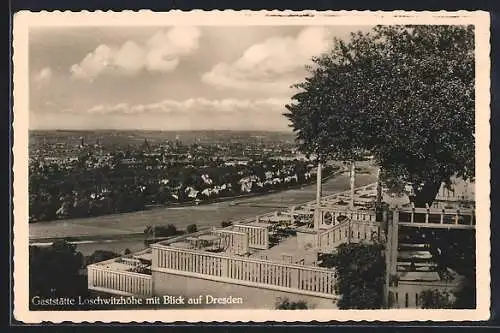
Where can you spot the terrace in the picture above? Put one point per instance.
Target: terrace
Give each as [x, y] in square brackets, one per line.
[277, 251]
[128, 275]
[281, 250]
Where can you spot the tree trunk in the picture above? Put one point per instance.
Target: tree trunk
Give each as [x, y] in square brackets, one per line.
[426, 194]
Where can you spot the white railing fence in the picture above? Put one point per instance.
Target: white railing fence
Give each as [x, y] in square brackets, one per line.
[247, 271]
[118, 282]
[436, 217]
[349, 231]
[258, 237]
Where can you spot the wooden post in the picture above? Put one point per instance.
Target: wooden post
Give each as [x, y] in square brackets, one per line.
[391, 254]
[266, 238]
[349, 231]
[379, 189]
[353, 183]
[318, 184]
[296, 278]
[225, 267]
[387, 261]
[394, 241]
[317, 211]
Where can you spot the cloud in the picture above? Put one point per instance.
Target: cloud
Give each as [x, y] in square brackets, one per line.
[196, 106]
[161, 53]
[44, 75]
[194, 114]
[118, 108]
[272, 65]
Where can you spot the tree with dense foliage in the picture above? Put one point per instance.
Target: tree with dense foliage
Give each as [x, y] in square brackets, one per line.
[191, 228]
[54, 271]
[286, 304]
[456, 250]
[405, 94]
[161, 231]
[225, 224]
[100, 255]
[360, 270]
[58, 192]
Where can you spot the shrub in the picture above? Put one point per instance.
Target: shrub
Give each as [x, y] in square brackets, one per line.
[435, 299]
[191, 228]
[161, 231]
[361, 275]
[225, 224]
[100, 255]
[285, 304]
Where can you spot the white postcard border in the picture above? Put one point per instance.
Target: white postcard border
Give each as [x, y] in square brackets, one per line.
[24, 20]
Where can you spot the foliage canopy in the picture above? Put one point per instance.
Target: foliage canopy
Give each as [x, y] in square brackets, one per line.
[54, 271]
[403, 93]
[360, 275]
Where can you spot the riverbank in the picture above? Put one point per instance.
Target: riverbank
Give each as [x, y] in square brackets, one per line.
[119, 225]
[248, 195]
[88, 239]
[208, 201]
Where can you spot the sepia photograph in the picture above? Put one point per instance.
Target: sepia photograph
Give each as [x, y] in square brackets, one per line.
[179, 162]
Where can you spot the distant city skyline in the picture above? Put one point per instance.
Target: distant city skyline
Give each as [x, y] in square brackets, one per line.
[170, 78]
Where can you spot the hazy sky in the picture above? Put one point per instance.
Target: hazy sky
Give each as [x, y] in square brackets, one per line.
[169, 78]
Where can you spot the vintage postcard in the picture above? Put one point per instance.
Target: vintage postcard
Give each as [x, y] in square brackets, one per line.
[234, 166]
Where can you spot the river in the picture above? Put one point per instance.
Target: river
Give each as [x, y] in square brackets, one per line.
[202, 216]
